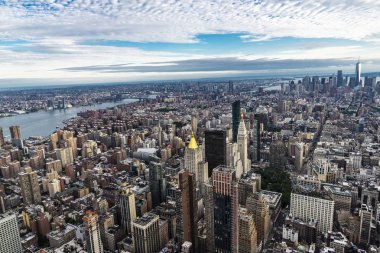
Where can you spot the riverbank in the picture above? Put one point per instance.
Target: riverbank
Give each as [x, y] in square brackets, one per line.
[21, 112]
[43, 123]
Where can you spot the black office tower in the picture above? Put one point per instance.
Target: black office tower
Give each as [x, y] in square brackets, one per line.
[215, 148]
[339, 81]
[1, 137]
[157, 183]
[235, 119]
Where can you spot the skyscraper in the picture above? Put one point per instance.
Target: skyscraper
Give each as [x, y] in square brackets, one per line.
[127, 206]
[358, 72]
[277, 154]
[225, 209]
[1, 137]
[30, 187]
[194, 122]
[231, 87]
[15, 132]
[93, 240]
[10, 241]
[157, 183]
[215, 148]
[233, 158]
[209, 217]
[247, 232]
[255, 153]
[242, 140]
[187, 209]
[235, 119]
[339, 78]
[193, 160]
[365, 225]
[65, 155]
[146, 233]
[257, 205]
[306, 207]
[298, 155]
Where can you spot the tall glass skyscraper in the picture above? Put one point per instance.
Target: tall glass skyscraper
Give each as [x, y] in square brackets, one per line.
[340, 78]
[235, 119]
[358, 72]
[225, 208]
[215, 148]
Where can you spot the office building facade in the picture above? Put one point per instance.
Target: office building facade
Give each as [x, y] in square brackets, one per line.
[145, 231]
[225, 195]
[30, 187]
[93, 239]
[235, 119]
[10, 241]
[187, 209]
[215, 149]
[127, 207]
[307, 207]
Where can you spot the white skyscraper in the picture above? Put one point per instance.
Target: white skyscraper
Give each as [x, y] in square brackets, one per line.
[9, 234]
[193, 161]
[307, 207]
[233, 158]
[242, 140]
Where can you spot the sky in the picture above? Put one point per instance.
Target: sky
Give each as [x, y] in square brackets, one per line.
[91, 41]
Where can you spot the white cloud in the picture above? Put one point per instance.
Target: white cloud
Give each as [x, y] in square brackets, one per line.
[181, 21]
[55, 29]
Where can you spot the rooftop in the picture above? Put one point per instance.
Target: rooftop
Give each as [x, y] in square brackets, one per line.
[146, 219]
[272, 198]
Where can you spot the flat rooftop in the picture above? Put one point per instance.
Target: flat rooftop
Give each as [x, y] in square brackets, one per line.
[272, 198]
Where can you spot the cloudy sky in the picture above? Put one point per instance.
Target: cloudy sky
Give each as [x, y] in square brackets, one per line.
[81, 41]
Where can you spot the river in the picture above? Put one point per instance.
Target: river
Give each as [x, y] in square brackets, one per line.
[43, 123]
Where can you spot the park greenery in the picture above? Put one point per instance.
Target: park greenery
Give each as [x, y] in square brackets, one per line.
[273, 179]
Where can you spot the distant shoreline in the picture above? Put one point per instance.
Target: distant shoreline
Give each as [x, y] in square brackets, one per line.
[55, 109]
[26, 86]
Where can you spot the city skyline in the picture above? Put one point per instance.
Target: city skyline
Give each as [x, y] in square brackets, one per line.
[189, 126]
[233, 166]
[71, 42]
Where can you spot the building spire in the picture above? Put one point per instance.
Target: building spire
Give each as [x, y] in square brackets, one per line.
[193, 142]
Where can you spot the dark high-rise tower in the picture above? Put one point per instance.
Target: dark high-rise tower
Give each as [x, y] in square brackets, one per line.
[1, 137]
[157, 183]
[277, 154]
[358, 72]
[215, 148]
[225, 208]
[187, 209]
[339, 81]
[15, 132]
[235, 119]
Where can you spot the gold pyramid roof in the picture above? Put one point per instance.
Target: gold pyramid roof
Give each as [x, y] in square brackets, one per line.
[193, 143]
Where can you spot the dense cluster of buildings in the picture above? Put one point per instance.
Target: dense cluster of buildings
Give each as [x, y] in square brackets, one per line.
[183, 172]
[19, 101]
